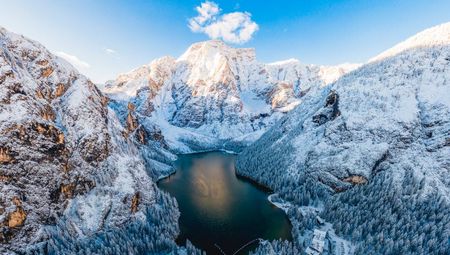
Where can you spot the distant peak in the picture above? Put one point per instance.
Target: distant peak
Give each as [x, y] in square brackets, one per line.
[165, 59]
[434, 36]
[213, 42]
[209, 43]
[285, 62]
[211, 48]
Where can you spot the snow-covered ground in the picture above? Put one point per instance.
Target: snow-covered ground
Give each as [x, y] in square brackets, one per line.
[69, 176]
[371, 148]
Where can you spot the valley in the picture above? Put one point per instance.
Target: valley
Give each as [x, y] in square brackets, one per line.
[356, 155]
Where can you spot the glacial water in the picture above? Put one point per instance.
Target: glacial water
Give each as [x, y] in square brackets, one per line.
[219, 209]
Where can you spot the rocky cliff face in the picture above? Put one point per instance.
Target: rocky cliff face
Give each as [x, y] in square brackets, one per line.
[63, 154]
[215, 93]
[370, 152]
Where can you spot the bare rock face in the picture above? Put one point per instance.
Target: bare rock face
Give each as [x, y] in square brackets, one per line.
[135, 202]
[133, 128]
[5, 156]
[132, 123]
[330, 111]
[141, 135]
[60, 148]
[17, 217]
[34, 150]
[355, 179]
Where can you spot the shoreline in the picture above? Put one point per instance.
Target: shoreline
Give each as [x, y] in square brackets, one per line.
[209, 150]
[283, 205]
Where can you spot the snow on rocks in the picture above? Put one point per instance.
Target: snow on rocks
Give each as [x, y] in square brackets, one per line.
[217, 93]
[62, 152]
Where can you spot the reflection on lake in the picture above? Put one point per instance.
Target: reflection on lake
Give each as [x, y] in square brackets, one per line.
[218, 208]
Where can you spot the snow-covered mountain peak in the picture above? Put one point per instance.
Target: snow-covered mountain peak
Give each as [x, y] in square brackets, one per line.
[434, 36]
[291, 61]
[214, 61]
[218, 92]
[145, 69]
[214, 49]
[330, 74]
[127, 84]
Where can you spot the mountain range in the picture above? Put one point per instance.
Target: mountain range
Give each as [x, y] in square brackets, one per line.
[215, 96]
[360, 151]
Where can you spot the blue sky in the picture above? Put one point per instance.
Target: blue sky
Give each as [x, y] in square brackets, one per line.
[107, 37]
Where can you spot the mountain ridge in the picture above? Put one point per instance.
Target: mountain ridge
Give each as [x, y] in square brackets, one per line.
[70, 173]
[369, 153]
[221, 94]
[434, 36]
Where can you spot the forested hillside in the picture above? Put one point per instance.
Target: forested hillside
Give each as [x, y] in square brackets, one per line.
[370, 153]
[72, 178]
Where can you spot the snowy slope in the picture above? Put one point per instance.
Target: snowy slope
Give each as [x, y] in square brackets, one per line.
[434, 36]
[66, 167]
[215, 94]
[371, 151]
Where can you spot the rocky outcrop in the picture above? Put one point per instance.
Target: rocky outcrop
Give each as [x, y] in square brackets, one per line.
[135, 202]
[16, 218]
[5, 156]
[133, 127]
[132, 122]
[280, 95]
[356, 179]
[68, 190]
[141, 135]
[60, 89]
[330, 110]
[46, 72]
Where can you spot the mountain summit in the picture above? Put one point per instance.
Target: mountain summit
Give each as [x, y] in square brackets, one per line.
[215, 94]
[435, 36]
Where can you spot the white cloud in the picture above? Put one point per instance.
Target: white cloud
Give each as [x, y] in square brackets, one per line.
[74, 60]
[206, 11]
[110, 51]
[234, 27]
